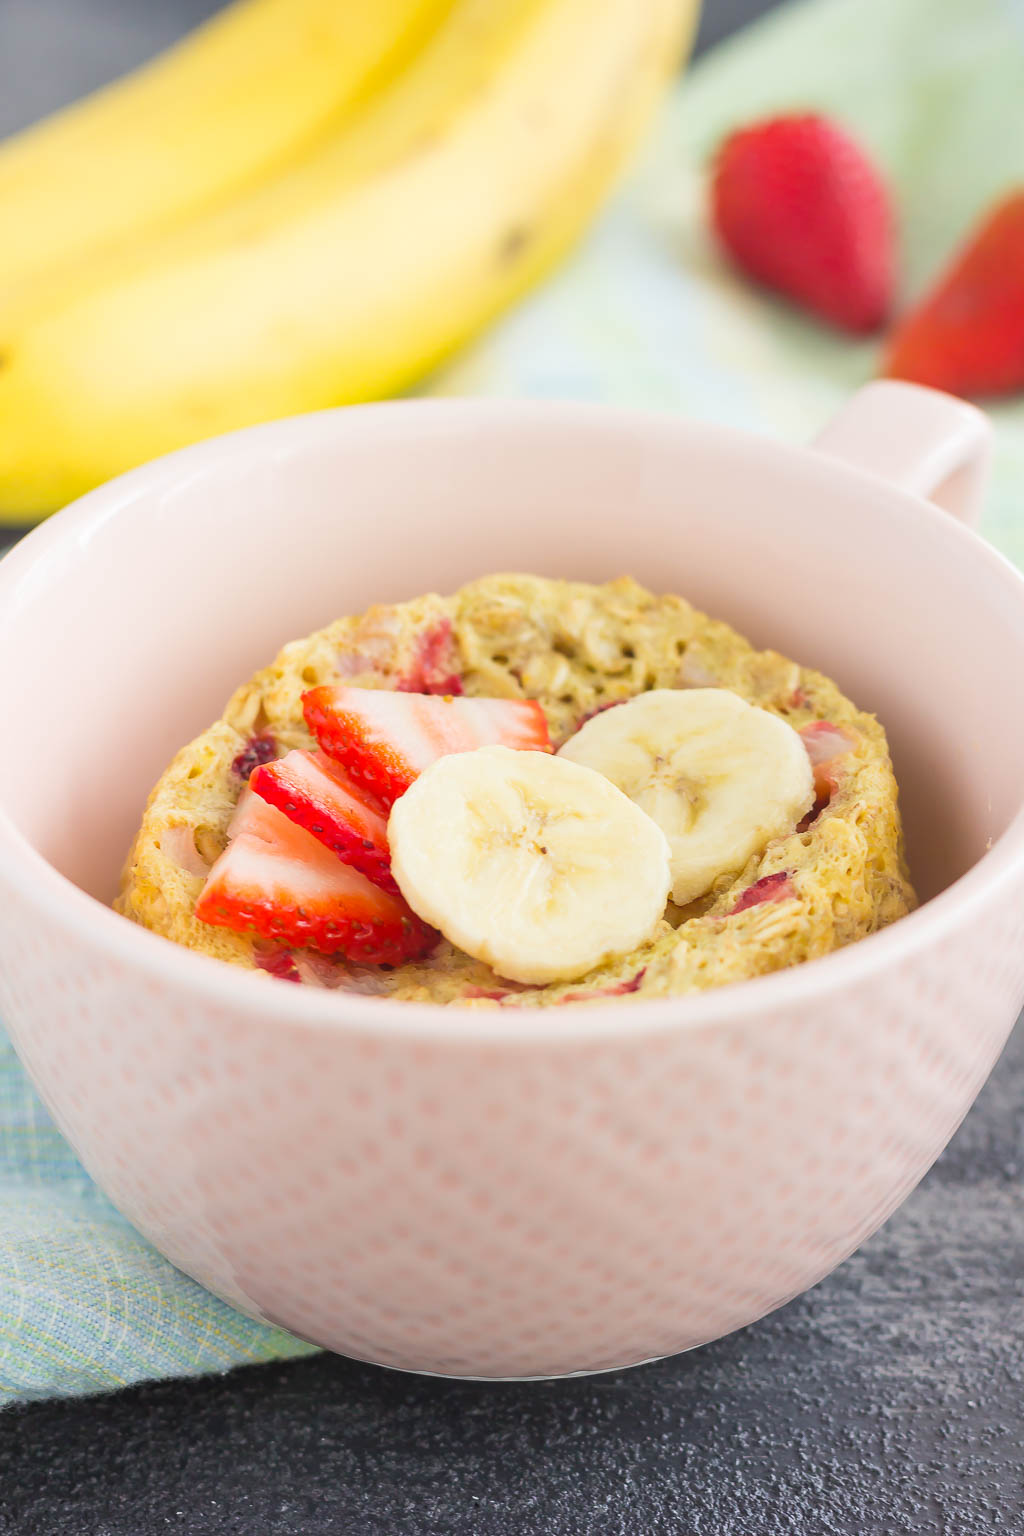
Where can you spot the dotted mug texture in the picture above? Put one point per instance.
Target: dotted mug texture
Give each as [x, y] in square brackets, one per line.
[492, 1207]
[451, 1196]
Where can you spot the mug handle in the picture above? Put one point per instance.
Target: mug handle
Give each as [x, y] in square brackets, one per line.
[918, 439]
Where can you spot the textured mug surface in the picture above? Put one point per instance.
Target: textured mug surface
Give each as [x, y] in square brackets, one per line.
[507, 1194]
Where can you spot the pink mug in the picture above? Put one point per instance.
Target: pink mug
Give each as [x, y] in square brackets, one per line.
[512, 1193]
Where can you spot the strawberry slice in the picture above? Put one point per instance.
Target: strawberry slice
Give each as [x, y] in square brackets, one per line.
[276, 880]
[385, 740]
[316, 793]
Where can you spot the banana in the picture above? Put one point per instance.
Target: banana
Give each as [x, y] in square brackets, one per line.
[226, 107]
[719, 776]
[529, 862]
[348, 277]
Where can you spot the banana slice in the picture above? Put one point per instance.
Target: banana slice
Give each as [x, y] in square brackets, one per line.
[719, 776]
[537, 865]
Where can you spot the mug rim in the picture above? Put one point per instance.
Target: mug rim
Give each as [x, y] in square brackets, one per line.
[211, 981]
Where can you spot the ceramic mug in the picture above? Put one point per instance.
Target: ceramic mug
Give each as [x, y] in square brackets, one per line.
[511, 1193]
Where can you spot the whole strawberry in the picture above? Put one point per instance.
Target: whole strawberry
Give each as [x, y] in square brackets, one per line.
[802, 210]
[967, 335]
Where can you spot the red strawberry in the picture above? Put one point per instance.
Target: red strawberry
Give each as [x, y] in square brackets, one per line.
[802, 210]
[385, 740]
[967, 335]
[276, 880]
[316, 793]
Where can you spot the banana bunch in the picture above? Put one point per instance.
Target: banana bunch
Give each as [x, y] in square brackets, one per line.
[306, 203]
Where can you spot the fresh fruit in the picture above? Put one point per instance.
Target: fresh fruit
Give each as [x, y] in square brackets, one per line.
[355, 269]
[719, 776]
[385, 740]
[825, 744]
[967, 335]
[802, 210]
[241, 96]
[536, 865]
[314, 792]
[277, 881]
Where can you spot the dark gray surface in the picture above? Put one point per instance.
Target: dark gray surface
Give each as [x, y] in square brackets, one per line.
[888, 1400]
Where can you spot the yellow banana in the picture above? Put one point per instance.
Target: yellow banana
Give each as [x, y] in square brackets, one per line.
[464, 55]
[229, 105]
[351, 275]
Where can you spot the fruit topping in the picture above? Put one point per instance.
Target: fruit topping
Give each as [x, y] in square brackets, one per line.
[385, 740]
[598, 709]
[315, 792]
[719, 776]
[534, 864]
[277, 881]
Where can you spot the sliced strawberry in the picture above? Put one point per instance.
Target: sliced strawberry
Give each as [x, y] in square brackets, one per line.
[385, 739]
[276, 880]
[825, 743]
[777, 887]
[316, 793]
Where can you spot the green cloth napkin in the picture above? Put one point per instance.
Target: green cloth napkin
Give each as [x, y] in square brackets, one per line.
[645, 314]
[85, 1303]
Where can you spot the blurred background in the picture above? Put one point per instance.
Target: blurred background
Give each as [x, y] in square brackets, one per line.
[133, 319]
[53, 51]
